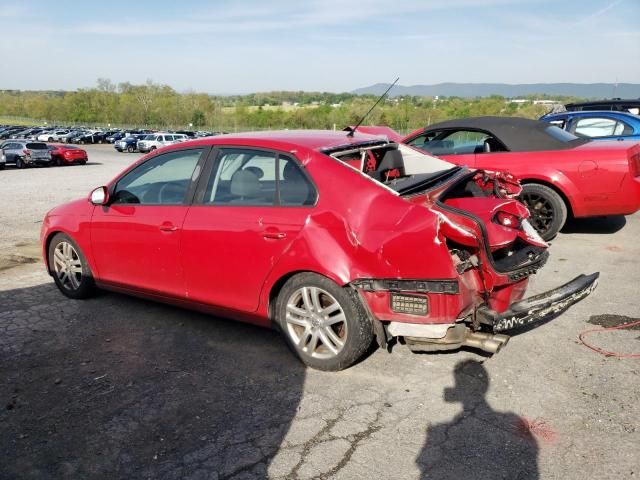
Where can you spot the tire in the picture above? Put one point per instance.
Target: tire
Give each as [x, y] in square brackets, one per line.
[548, 210]
[131, 149]
[78, 285]
[330, 346]
[82, 162]
[20, 164]
[152, 149]
[59, 162]
[50, 139]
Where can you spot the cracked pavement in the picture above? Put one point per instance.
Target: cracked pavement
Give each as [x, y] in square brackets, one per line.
[118, 387]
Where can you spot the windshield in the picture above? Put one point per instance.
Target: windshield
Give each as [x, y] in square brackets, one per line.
[36, 146]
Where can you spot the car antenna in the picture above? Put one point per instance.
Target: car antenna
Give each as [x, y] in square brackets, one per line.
[353, 130]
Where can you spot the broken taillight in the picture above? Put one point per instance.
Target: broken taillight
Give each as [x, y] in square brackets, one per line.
[507, 219]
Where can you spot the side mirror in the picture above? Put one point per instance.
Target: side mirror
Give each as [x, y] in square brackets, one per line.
[100, 196]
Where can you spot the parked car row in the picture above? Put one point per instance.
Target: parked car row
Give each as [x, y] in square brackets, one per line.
[82, 135]
[27, 153]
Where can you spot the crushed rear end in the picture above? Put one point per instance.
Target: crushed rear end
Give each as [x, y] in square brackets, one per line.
[491, 251]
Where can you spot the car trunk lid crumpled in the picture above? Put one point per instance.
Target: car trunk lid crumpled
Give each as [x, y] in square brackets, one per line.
[493, 236]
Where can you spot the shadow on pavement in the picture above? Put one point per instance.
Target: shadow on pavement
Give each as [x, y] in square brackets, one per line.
[116, 387]
[479, 443]
[610, 224]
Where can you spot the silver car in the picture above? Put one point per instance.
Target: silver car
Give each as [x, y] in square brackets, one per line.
[24, 153]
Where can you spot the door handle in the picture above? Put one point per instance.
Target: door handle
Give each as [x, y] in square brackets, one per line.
[274, 235]
[168, 227]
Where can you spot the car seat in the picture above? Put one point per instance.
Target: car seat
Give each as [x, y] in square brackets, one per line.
[245, 186]
[294, 189]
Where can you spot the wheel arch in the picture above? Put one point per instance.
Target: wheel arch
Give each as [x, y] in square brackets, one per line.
[552, 186]
[276, 288]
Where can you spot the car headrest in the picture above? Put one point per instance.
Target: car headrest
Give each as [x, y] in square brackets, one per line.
[245, 183]
[291, 172]
[392, 159]
[492, 145]
[257, 170]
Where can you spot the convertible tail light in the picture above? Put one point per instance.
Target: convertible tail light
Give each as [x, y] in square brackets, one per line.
[507, 220]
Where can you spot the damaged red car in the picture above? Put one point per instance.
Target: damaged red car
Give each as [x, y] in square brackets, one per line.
[285, 229]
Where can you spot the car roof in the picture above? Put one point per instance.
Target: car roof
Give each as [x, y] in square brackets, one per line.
[595, 113]
[516, 133]
[312, 139]
[612, 101]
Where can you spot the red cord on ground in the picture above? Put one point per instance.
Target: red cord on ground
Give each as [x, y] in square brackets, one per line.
[606, 352]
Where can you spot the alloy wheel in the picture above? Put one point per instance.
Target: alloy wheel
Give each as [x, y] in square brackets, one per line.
[541, 210]
[316, 322]
[67, 265]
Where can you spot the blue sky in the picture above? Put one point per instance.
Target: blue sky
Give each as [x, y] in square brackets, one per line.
[329, 45]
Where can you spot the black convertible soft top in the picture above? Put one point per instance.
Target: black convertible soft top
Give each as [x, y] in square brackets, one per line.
[517, 134]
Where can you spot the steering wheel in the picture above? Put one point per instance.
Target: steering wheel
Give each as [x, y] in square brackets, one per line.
[166, 196]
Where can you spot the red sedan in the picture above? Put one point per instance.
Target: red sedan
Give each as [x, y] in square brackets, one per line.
[562, 175]
[67, 155]
[287, 229]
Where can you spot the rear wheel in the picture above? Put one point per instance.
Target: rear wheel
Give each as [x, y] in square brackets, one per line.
[323, 323]
[59, 162]
[20, 163]
[50, 139]
[547, 208]
[131, 149]
[69, 268]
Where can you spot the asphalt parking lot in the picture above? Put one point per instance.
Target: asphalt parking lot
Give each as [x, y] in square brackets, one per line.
[117, 387]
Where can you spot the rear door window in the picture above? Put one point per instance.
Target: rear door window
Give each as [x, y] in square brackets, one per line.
[596, 127]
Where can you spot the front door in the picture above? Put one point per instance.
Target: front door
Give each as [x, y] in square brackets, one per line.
[136, 238]
[245, 216]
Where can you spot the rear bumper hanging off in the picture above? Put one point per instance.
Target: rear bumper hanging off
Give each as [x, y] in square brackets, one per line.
[539, 307]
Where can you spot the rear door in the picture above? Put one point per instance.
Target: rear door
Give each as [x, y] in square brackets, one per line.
[243, 219]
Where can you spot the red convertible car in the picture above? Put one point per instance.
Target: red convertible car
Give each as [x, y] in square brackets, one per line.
[287, 229]
[562, 175]
[67, 155]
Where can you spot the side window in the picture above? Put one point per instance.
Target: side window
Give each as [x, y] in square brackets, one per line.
[248, 177]
[459, 142]
[242, 177]
[422, 141]
[595, 127]
[294, 188]
[163, 180]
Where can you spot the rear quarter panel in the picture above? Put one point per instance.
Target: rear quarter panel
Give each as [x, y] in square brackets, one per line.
[358, 229]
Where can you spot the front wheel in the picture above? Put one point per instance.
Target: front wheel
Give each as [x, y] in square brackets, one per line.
[131, 149]
[70, 268]
[323, 323]
[547, 208]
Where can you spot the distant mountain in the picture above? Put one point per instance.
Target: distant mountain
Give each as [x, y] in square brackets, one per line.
[582, 90]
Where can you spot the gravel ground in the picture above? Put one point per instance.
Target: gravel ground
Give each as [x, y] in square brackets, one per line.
[116, 387]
